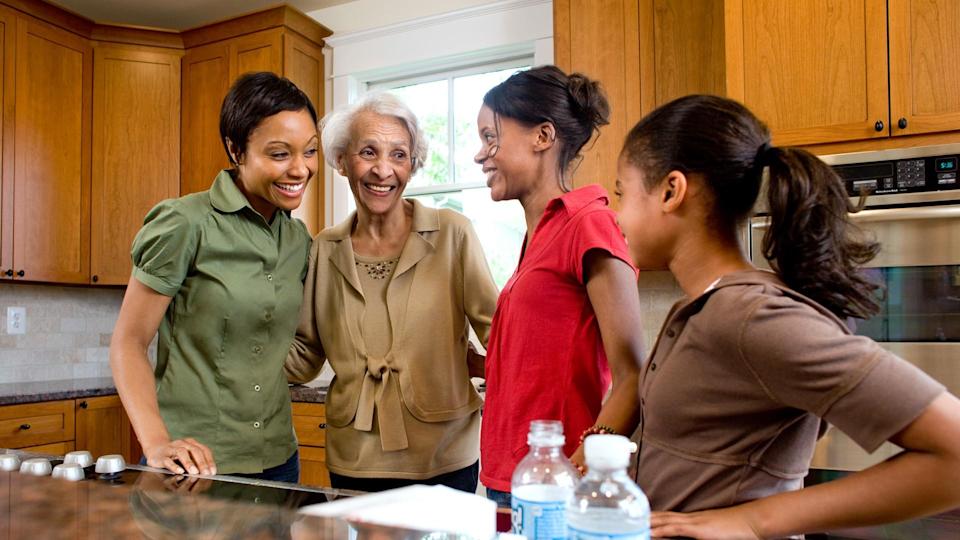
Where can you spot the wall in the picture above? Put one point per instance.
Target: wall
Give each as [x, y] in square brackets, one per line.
[67, 335]
[658, 292]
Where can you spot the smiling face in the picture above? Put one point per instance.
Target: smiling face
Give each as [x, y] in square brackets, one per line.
[508, 155]
[377, 162]
[280, 158]
[642, 219]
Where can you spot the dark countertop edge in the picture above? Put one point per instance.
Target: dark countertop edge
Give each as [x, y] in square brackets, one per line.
[298, 394]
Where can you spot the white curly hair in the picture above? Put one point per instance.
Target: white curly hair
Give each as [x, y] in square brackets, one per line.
[335, 126]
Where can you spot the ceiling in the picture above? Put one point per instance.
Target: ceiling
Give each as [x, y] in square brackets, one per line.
[177, 14]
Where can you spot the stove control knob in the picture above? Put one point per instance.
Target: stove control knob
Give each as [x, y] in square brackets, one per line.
[9, 462]
[36, 467]
[80, 457]
[110, 464]
[69, 471]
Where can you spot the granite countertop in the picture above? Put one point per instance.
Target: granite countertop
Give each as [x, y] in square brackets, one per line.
[32, 392]
[154, 506]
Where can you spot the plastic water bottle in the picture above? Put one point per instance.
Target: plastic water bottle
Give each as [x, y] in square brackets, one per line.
[607, 504]
[542, 484]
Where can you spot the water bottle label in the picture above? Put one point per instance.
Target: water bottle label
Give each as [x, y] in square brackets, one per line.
[543, 520]
[579, 534]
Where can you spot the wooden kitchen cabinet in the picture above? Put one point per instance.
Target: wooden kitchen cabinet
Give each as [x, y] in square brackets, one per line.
[51, 216]
[136, 149]
[103, 428]
[35, 424]
[580, 26]
[309, 422]
[8, 36]
[816, 71]
[924, 53]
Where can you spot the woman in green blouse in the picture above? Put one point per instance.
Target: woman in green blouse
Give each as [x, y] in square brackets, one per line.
[220, 274]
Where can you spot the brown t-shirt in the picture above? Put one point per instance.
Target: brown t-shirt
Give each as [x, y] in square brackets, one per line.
[737, 385]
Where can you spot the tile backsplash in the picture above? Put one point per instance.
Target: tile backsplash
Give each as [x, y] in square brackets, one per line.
[68, 329]
[658, 292]
[67, 332]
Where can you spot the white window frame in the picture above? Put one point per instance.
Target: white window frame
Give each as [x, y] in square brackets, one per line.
[449, 75]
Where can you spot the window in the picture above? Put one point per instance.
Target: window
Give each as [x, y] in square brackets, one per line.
[447, 104]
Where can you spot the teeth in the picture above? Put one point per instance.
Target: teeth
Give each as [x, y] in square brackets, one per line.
[290, 188]
[379, 189]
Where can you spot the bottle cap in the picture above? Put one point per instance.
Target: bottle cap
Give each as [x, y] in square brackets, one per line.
[608, 451]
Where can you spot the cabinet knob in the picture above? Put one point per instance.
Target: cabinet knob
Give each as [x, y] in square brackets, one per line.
[95, 278]
[9, 272]
[322, 426]
[20, 273]
[83, 405]
[878, 126]
[902, 123]
[24, 427]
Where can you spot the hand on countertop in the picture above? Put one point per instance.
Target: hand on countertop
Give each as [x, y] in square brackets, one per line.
[731, 523]
[182, 455]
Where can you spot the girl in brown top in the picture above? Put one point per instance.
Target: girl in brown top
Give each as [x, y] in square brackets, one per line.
[750, 368]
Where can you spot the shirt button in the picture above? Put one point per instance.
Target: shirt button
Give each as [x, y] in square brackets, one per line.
[256, 425]
[670, 332]
[257, 349]
[269, 277]
[256, 388]
[653, 366]
[268, 316]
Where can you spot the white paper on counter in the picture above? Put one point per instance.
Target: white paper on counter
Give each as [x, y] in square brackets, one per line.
[422, 508]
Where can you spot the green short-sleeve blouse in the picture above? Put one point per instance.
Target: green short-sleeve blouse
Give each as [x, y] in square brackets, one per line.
[236, 283]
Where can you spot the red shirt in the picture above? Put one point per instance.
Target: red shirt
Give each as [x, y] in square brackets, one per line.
[545, 358]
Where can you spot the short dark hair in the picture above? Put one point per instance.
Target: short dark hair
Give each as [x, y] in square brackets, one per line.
[253, 97]
[574, 104]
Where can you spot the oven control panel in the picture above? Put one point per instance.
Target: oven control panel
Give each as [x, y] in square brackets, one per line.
[911, 175]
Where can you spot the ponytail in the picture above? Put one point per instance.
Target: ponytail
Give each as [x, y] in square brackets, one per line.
[811, 242]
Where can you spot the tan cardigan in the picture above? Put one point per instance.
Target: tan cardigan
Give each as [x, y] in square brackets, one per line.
[443, 281]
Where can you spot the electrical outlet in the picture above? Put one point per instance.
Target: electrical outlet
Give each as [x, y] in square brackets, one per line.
[16, 320]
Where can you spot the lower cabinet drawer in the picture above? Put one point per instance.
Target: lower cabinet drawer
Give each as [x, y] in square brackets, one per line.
[54, 449]
[36, 424]
[313, 467]
[310, 424]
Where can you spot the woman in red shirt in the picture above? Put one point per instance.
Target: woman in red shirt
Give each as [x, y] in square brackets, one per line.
[568, 317]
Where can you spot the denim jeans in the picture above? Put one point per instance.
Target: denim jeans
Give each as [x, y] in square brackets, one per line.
[502, 498]
[464, 479]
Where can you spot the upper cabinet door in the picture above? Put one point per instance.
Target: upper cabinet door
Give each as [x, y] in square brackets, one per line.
[924, 60]
[8, 38]
[599, 39]
[52, 155]
[260, 51]
[303, 64]
[136, 149]
[813, 70]
[206, 79]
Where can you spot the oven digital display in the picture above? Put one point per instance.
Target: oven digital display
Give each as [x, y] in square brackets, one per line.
[946, 164]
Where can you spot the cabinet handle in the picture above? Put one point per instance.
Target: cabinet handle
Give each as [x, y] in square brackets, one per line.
[83, 405]
[95, 278]
[878, 126]
[24, 427]
[20, 273]
[323, 426]
[902, 123]
[9, 272]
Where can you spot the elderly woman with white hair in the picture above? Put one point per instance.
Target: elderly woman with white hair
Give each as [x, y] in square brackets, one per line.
[387, 301]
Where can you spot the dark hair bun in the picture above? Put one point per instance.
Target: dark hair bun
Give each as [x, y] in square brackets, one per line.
[590, 99]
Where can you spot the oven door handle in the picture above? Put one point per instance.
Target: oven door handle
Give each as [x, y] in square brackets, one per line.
[900, 214]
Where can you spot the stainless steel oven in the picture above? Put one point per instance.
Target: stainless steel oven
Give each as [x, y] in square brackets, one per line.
[914, 212]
